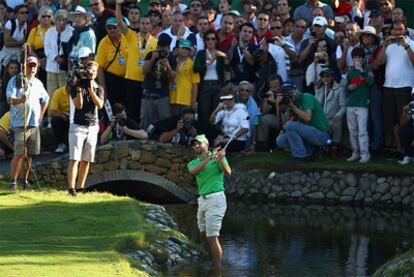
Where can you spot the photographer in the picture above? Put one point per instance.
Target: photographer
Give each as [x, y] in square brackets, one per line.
[34, 102]
[398, 56]
[87, 98]
[176, 129]
[308, 126]
[121, 127]
[159, 70]
[272, 118]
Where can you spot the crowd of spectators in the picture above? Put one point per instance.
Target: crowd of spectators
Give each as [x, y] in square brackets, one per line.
[266, 75]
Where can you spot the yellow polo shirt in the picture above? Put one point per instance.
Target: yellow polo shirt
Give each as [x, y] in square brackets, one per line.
[181, 90]
[60, 100]
[106, 52]
[37, 36]
[5, 122]
[136, 57]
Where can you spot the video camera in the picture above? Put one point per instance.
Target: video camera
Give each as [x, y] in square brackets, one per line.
[78, 70]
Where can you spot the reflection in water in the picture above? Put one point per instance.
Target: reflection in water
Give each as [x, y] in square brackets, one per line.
[277, 240]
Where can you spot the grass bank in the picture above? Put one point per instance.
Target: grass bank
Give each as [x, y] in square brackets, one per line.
[51, 234]
[384, 164]
[402, 265]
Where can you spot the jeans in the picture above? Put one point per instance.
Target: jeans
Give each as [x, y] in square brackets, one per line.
[375, 118]
[301, 138]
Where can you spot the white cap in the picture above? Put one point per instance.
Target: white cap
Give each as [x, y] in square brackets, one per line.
[84, 52]
[234, 12]
[320, 20]
[227, 97]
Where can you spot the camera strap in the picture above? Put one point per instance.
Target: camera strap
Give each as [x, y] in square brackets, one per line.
[116, 54]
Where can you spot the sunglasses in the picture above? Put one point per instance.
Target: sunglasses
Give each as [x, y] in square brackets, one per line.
[210, 38]
[46, 16]
[24, 12]
[263, 19]
[275, 27]
[95, 4]
[385, 4]
[111, 27]
[32, 65]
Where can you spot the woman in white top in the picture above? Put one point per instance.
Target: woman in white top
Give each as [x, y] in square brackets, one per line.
[212, 65]
[15, 33]
[55, 38]
[233, 120]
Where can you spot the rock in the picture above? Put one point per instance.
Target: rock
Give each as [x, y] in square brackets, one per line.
[154, 169]
[382, 187]
[296, 194]
[396, 199]
[407, 200]
[95, 168]
[315, 195]
[121, 150]
[404, 192]
[364, 184]
[135, 154]
[395, 190]
[134, 165]
[351, 191]
[111, 165]
[163, 162]
[359, 196]
[147, 157]
[351, 180]
[346, 199]
[381, 180]
[271, 195]
[326, 182]
[386, 197]
[377, 196]
[123, 164]
[276, 188]
[337, 188]
[406, 182]
[331, 195]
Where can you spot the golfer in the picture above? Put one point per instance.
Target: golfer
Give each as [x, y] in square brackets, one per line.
[209, 169]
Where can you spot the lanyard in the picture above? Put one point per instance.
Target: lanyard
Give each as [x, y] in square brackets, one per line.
[241, 54]
[140, 48]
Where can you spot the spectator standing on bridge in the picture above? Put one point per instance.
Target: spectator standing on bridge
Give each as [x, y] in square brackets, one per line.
[208, 169]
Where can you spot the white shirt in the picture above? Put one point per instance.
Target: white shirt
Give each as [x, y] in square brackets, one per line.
[51, 47]
[399, 70]
[174, 37]
[279, 55]
[17, 35]
[339, 52]
[211, 72]
[200, 42]
[234, 120]
[13, 3]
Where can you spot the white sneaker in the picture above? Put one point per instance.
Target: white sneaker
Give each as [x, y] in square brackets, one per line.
[364, 159]
[61, 148]
[353, 158]
[406, 160]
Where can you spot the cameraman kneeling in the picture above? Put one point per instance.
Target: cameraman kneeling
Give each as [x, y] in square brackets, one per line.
[176, 129]
[121, 127]
[307, 127]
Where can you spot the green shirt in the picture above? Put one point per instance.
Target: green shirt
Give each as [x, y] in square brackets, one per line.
[211, 178]
[359, 97]
[306, 101]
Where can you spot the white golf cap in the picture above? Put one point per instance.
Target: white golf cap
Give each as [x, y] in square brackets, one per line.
[227, 97]
[84, 52]
[320, 20]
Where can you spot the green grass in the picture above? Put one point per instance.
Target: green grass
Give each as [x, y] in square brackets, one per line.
[52, 234]
[282, 160]
[402, 265]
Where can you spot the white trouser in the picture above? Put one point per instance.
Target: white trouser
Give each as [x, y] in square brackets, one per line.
[357, 120]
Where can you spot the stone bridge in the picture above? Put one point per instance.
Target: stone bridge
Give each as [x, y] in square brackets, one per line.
[145, 162]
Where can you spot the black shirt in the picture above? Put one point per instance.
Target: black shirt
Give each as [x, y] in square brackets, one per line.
[242, 70]
[88, 114]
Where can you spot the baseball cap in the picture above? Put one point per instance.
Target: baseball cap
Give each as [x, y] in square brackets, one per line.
[375, 13]
[288, 85]
[326, 69]
[200, 138]
[154, 2]
[111, 21]
[31, 59]
[320, 20]
[84, 52]
[185, 43]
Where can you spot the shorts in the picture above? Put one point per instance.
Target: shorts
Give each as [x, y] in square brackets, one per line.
[82, 142]
[210, 214]
[32, 137]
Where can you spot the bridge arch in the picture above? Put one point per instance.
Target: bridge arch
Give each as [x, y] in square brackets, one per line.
[141, 177]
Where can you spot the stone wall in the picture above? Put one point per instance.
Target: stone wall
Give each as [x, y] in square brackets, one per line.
[325, 187]
[165, 160]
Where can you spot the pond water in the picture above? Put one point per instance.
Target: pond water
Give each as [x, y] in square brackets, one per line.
[295, 240]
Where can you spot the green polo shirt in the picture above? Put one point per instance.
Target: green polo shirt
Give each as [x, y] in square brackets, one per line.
[211, 178]
[306, 101]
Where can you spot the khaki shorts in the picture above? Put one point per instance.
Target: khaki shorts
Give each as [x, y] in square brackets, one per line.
[210, 214]
[82, 142]
[33, 140]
